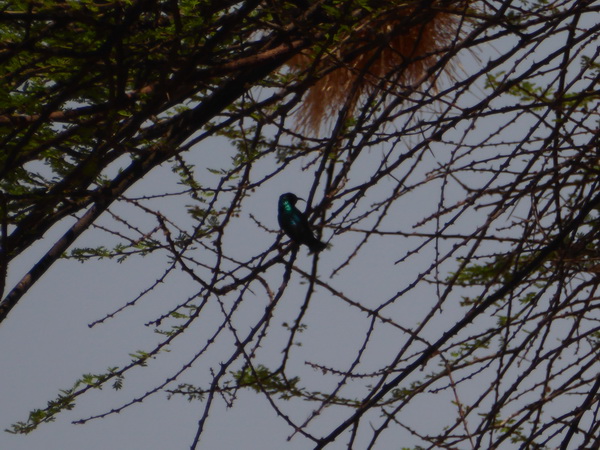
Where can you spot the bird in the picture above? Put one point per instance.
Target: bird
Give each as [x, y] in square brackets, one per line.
[295, 224]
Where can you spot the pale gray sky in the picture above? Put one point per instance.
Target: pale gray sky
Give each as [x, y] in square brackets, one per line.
[46, 342]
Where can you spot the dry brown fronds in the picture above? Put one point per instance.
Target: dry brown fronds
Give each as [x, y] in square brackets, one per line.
[390, 52]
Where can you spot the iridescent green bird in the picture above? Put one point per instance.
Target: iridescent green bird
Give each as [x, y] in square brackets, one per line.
[295, 225]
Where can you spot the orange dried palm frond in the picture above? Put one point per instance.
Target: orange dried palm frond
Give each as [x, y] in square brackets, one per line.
[390, 52]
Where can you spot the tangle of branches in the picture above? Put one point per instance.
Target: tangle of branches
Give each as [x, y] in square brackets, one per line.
[448, 153]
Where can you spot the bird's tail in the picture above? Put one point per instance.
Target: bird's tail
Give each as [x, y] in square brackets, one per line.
[316, 245]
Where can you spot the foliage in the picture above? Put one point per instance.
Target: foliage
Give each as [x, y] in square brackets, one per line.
[460, 202]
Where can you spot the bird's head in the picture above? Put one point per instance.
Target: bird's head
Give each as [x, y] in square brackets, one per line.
[289, 197]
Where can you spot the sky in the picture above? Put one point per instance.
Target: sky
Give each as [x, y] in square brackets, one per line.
[47, 342]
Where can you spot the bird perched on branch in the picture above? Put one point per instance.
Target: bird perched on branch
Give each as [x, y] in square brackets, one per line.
[295, 225]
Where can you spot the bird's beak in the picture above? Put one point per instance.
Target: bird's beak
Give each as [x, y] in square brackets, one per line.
[298, 198]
